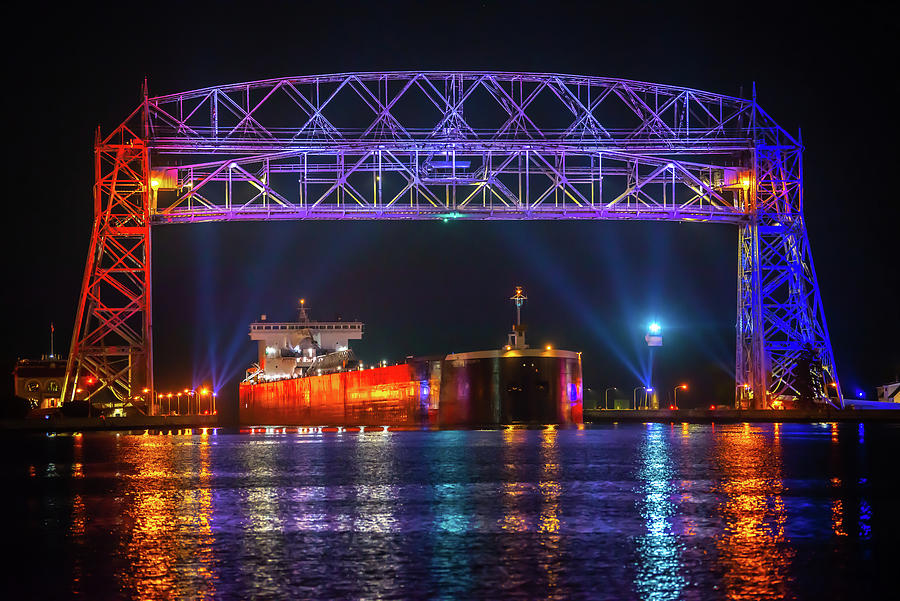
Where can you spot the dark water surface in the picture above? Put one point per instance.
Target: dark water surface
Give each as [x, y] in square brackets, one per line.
[752, 511]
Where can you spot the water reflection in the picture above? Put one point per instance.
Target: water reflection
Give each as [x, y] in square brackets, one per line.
[202, 507]
[169, 547]
[658, 574]
[450, 562]
[634, 512]
[550, 560]
[754, 556]
[373, 513]
[260, 519]
[374, 462]
[549, 483]
[531, 490]
[865, 510]
[76, 532]
[837, 509]
[513, 485]
[451, 511]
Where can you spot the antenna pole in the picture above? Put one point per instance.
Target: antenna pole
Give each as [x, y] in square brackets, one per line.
[518, 333]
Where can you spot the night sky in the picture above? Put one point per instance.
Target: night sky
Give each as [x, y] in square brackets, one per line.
[424, 288]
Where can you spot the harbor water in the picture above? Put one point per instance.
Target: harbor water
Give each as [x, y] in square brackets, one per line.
[627, 511]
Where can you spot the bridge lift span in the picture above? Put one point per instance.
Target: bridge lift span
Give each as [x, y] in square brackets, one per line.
[455, 145]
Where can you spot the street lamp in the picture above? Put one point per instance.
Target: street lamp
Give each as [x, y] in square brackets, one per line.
[179, 403]
[606, 397]
[169, 397]
[214, 403]
[675, 394]
[634, 394]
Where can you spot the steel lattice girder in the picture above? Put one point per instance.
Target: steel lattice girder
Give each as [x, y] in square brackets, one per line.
[112, 337]
[491, 145]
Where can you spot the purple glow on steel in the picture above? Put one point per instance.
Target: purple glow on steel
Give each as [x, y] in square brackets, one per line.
[625, 150]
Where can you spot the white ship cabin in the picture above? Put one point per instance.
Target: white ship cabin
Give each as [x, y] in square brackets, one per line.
[286, 348]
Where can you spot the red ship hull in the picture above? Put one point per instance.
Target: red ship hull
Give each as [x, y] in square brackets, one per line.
[471, 389]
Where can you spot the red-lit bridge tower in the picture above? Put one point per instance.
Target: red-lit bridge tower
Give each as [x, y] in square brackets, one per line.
[112, 341]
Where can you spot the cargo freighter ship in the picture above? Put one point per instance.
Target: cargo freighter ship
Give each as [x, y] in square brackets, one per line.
[307, 375]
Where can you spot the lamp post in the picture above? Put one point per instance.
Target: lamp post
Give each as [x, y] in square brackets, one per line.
[169, 397]
[675, 394]
[214, 403]
[634, 394]
[178, 396]
[606, 397]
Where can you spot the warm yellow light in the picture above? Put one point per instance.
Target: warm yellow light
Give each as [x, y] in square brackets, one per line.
[508, 347]
[745, 182]
[549, 347]
[154, 183]
[79, 389]
[683, 387]
[170, 395]
[161, 395]
[185, 391]
[302, 301]
[146, 390]
[204, 391]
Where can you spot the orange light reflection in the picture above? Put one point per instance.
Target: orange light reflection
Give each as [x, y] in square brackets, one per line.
[167, 526]
[754, 555]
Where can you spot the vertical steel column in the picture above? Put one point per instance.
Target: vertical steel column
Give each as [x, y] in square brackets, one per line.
[148, 254]
[111, 339]
[787, 316]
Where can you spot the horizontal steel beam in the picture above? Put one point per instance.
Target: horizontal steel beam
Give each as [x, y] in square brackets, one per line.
[447, 213]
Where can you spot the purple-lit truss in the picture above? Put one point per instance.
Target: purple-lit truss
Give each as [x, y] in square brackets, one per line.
[457, 145]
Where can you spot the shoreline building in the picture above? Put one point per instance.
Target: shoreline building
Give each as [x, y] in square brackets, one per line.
[40, 380]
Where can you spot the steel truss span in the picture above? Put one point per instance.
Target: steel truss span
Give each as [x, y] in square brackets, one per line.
[455, 145]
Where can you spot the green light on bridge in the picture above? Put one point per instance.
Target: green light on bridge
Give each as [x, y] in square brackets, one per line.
[447, 216]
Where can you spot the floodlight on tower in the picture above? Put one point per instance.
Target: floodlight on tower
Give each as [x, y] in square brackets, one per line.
[653, 337]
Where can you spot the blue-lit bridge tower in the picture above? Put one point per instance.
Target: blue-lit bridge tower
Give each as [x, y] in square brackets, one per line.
[456, 145]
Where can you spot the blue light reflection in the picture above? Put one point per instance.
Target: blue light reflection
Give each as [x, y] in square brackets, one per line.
[659, 551]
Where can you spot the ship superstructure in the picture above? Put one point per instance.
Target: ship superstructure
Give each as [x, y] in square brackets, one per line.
[290, 349]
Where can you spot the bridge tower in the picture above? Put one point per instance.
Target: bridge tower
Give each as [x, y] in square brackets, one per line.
[112, 339]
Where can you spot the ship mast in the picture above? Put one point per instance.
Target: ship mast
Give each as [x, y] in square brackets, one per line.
[304, 316]
[517, 336]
